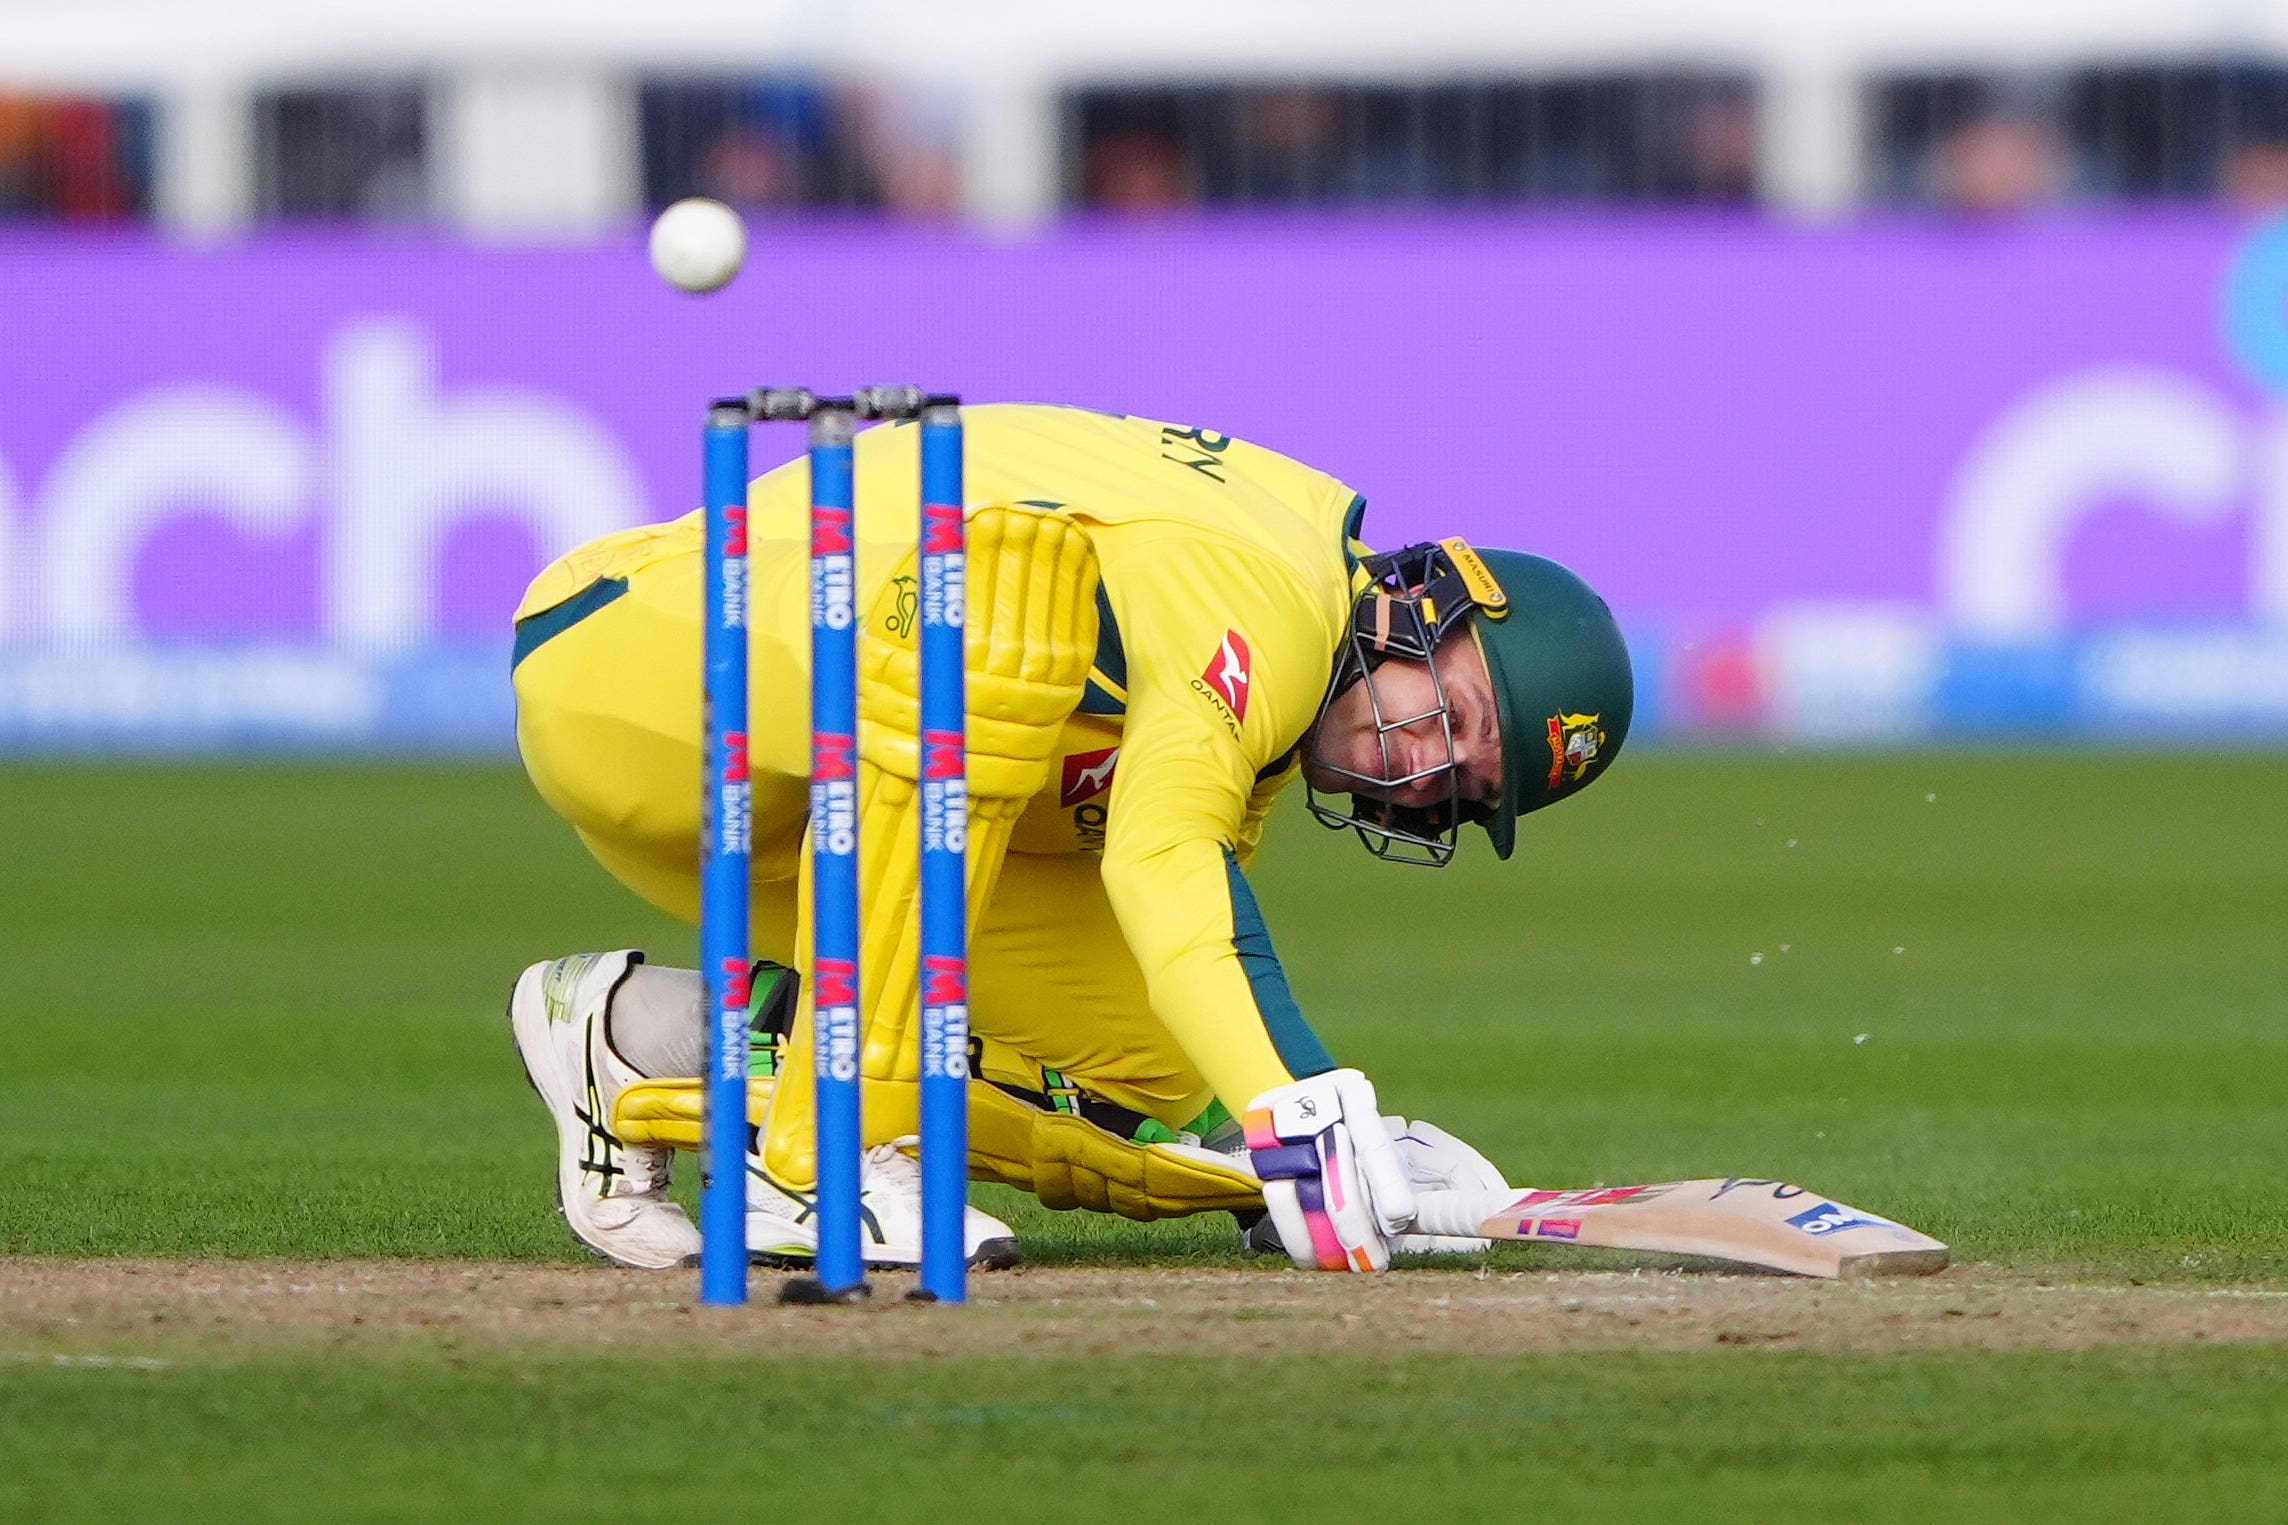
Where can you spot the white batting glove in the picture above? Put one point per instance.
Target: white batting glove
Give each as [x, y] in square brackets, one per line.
[1438, 1161]
[1334, 1184]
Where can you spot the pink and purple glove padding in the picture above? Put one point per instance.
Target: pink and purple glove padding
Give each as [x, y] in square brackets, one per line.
[1333, 1183]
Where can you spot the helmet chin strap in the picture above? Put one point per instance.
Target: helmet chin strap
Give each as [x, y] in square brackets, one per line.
[1417, 597]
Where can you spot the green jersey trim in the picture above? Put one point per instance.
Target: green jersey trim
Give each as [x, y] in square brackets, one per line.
[537, 630]
[1298, 1047]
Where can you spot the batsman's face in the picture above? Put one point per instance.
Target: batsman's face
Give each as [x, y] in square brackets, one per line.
[1409, 732]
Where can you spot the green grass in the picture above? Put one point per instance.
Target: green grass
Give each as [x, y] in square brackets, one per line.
[2121, 1434]
[2076, 1059]
[256, 1011]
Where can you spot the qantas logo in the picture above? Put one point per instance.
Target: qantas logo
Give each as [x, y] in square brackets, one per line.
[1087, 775]
[1228, 676]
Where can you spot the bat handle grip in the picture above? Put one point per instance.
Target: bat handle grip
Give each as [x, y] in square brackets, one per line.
[1461, 1214]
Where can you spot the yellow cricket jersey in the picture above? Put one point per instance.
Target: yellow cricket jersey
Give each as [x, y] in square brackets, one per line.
[1227, 581]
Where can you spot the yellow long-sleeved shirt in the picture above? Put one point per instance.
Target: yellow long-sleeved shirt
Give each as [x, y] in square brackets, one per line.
[1227, 581]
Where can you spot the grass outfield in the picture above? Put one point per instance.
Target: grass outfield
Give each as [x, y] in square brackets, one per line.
[2020, 1437]
[2036, 1005]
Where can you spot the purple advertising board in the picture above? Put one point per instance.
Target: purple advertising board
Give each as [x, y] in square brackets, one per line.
[1866, 482]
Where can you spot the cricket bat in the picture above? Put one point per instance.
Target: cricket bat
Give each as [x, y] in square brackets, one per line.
[1770, 1225]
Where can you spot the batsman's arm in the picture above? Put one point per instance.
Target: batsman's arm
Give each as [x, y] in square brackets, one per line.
[1213, 708]
[1225, 663]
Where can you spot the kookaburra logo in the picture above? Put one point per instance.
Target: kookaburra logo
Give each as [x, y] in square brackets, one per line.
[1307, 1107]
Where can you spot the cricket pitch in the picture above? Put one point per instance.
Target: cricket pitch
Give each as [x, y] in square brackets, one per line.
[123, 1310]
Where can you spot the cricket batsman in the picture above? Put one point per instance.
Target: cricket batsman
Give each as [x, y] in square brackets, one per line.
[1166, 629]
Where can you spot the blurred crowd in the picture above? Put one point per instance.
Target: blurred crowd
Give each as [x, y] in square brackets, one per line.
[79, 160]
[1989, 145]
[1978, 145]
[788, 143]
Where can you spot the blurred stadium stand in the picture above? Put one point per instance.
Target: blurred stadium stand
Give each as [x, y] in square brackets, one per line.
[74, 158]
[520, 118]
[358, 153]
[1939, 469]
[1656, 136]
[2003, 139]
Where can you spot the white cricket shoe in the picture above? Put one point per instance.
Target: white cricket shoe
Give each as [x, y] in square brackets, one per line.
[782, 1227]
[612, 1194]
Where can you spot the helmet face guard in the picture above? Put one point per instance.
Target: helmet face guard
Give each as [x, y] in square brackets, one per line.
[1419, 596]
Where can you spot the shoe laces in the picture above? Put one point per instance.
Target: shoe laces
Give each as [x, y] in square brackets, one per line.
[644, 1172]
[890, 1166]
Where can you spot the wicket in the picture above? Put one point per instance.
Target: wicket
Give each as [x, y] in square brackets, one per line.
[840, 1272]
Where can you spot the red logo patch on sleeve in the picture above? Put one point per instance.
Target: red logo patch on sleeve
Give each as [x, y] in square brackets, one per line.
[1087, 775]
[1228, 674]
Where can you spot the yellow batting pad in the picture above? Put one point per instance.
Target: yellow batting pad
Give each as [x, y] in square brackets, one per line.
[1030, 614]
[1064, 1160]
[1077, 1164]
[1068, 1161]
[673, 1113]
[1031, 621]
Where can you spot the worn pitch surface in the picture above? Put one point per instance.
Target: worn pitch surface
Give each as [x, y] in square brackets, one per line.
[128, 1310]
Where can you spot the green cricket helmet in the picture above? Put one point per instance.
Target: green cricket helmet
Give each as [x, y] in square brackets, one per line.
[1561, 682]
[1562, 686]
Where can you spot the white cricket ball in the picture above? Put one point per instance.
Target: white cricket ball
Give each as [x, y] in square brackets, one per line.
[698, 244]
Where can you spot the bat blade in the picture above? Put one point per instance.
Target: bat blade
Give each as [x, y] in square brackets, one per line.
[1768, 1224]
